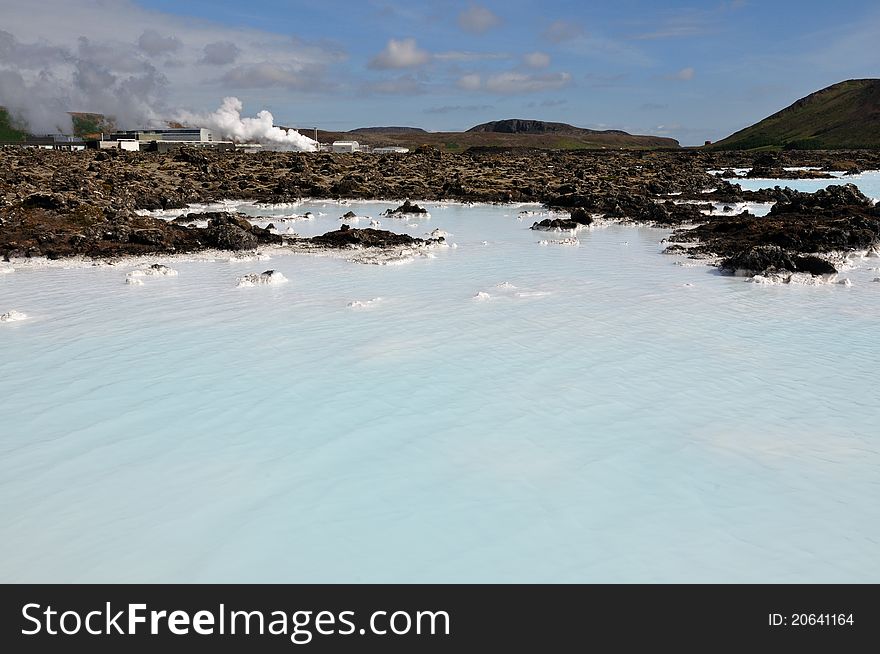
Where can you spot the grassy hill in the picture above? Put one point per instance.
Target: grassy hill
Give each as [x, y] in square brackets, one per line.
[8, 130]
[842, 116]
[89, 125]
[514, 133]
[85, 125]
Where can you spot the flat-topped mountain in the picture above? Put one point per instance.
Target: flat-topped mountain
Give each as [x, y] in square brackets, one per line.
[514, 133]
[388, 130]
[524, 126]
[842, 116]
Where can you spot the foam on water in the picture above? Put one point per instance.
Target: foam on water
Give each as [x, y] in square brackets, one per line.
[13, 316]
[615, 417]
[568, 240]
[364, 304]
[268, 278]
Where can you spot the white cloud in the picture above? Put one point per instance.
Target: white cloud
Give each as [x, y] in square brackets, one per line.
[682, 24]
[685, 74]
[537, 59]
[460, 55]
[470, 82]
[271, 75]
[152, 62]
[477, 19]
[513, 82]
[40, 91]
[400, 54]
[560, 31]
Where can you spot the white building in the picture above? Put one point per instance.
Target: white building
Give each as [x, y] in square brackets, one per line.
[390, 150]
[346, 146]
[132, 145]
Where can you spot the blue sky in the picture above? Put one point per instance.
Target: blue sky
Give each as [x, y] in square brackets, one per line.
[691, 70]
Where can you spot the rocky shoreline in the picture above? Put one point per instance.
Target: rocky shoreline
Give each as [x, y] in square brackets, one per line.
[60, 204]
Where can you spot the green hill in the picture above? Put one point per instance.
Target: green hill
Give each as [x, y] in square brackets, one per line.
[842, 116]
[85, 125]
[90, 125]
[8, 130]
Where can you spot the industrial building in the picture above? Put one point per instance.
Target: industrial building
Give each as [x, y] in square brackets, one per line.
[172, 138]
[346, 146]
[176, 134]
[165, 140]
[50, 142]
[131, 145]
[354, 146]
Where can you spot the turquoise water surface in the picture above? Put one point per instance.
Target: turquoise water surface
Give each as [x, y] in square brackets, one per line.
[604, 413]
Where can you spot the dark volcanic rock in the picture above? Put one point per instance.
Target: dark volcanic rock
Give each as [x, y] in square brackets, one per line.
[229, 232]
[148, 236]
[406, 208]
[761, 259]
[581, 217]
[551, 224]
[778, 172]
[60, 204]
[644, 209]
[784, 241]
[833, 200]
[347, 237]
[578, 218]
[44, 201]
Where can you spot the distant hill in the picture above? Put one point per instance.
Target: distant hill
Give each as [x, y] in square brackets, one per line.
[513, 133]
[90, 125]
[85, 125]
[842, 116]
[388, 130]
[523, 126]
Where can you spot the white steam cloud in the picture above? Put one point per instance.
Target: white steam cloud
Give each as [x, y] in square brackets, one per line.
[40, 83]
[228, 124]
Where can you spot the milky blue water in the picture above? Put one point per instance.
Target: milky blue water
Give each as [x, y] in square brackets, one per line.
[605, 415]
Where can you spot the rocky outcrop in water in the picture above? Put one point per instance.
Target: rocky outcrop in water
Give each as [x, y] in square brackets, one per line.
[578, 218]
[839, 219]
[768, 259]
[61, 204]
[407, 208]
[87, 231]
[346, 237]
[230, 232]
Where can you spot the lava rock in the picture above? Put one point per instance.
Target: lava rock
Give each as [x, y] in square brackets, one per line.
[369, 237]
[406, 208]
[768, 259]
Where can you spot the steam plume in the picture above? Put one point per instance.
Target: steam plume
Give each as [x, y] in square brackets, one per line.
[228, 123]
[40, 83]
